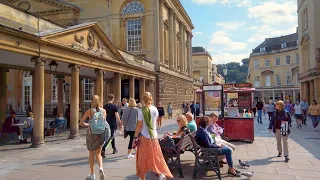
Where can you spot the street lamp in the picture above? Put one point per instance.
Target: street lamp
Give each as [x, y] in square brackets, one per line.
[53, 66]
[225, 73]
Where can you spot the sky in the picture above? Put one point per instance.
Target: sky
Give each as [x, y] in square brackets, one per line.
[230, 29]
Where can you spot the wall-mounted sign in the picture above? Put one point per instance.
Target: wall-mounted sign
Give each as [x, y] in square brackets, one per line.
[243, 85]
[212, 88]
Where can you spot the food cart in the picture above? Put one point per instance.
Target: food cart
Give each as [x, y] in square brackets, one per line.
[230, 110]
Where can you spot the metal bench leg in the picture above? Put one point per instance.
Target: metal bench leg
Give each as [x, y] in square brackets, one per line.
[179, 169]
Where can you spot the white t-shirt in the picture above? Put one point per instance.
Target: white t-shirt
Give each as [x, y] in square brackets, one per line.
[154, 116]
[297, 109]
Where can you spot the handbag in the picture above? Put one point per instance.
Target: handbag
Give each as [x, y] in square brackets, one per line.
[167, 142]
[125, 133]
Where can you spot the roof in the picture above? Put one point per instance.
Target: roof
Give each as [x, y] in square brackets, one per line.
[272, 44]
[198, 49]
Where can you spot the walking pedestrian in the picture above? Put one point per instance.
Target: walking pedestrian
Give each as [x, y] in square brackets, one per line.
[95, 138]
[169, 111]
[161, 114]
[149, 155]
[259, 108]
[270, 109]
[304, 106]
[129, 120]
[254, 108]
[279, 124]
[113, 119]
[197, 107]
[314, 113]
[298, 114]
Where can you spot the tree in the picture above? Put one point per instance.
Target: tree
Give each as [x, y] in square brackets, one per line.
[236, 73]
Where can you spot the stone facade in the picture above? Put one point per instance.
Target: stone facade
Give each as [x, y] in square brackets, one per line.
[174, 90]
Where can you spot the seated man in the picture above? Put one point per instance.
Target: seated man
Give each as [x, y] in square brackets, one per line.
[191, 123]
[7, 128]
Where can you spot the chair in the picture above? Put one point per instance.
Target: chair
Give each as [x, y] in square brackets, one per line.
[206, 158]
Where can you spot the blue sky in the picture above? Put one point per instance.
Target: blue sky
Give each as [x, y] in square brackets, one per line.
[230, 29]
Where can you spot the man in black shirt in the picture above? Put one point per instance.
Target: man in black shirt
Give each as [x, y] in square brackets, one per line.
[259, 108]
[112, 118]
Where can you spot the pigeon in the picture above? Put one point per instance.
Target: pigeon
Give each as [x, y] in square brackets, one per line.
[243, 165]
[247, 174]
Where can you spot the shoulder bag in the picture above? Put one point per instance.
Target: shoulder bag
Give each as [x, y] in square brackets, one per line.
[125, 133]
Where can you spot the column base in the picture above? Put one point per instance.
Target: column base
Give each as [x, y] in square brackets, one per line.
[37, 145]
[74, 136]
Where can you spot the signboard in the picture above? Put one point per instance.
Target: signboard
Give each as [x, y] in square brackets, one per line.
[212, 99]
[243, 85]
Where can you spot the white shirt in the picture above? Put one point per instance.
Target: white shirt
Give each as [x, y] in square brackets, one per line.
[154, 116]
[297, 109]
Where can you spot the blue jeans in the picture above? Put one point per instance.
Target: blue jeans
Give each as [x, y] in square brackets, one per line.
[27, 130]
[228, 153]
[315, 120]
[259, 115]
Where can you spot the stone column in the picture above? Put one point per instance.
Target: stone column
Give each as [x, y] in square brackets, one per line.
[161, 31]
[117, 87]
[182, 48]
[284, 95]
[60, 106]
[312, 90]
[171, 38]
[3, 95]
[262, 95]
[38, 99]
[294, 96]
[189, 54]
[142, 89]
[99, 84]
[74, 105]
[156, 30]
[152, 90]
[33, 89]
[175, 50]
[273, 96]
[131, 87]
[81, 94]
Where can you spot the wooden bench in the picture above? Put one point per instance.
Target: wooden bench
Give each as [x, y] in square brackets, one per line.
[172, 154]
[205, 158]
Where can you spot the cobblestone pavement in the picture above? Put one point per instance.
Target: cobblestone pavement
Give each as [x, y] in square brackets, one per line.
[64, 159]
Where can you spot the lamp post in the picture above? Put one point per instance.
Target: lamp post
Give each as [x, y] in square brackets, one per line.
[53, 66]
[225, 73]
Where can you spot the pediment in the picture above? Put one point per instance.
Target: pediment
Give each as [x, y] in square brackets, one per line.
[87, 38]
[39, 5]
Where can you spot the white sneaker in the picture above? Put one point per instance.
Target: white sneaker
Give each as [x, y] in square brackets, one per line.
[129, 156]
[314, 129]
[91, 177]
[162, 177]
[101, 174]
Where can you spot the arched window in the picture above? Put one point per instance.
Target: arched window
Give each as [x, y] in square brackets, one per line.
[133, 7]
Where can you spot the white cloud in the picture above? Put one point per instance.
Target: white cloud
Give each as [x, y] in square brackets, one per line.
[223, 57]
[252, 28]
[197, 33]
[274, 13]
[230, 25]
[222, 38]
[267, 31]
[238, 3]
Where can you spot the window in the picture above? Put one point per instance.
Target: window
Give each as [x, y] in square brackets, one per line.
[289, 79]
[305, 19]
[287, 59]
[134, 35]
[54, 96]
[257, 81]
[297, 79]
[268, 80]
[278, 82]
[262, 49]
[256, 64]
[133, 7]
[267, 63]
[88, 89]
[277, 61]
[283, 45]
[297, 58]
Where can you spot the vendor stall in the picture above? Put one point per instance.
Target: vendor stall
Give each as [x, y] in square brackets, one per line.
[234, 110]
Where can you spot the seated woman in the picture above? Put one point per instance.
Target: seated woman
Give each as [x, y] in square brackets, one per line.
[182, 130]
[10, 120]
[29, 122]
[205, 140]
[59, 122]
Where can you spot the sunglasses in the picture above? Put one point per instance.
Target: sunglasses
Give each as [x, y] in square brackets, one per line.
[178, 120]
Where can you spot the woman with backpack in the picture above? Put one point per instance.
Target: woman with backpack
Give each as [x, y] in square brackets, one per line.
[149, 155]
[96, 134]
[279, 124]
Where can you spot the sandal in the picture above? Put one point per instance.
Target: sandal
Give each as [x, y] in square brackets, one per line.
[234, 175]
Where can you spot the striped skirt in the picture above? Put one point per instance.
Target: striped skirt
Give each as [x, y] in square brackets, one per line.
[150, 158]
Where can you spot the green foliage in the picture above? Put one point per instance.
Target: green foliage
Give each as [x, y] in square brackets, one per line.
[236, 73]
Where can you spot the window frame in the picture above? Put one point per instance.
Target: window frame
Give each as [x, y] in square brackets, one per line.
[134, 35]
[88, 97]
[256, 64]
[288, 59]
[265, 63]
[305, 19]
[283, 45]
[263, 49]
[133, 7]
[297, 59]
[257, 79]
[288, 79]
[278, 80]
[297, 79]
[278, 58]
[269, 83]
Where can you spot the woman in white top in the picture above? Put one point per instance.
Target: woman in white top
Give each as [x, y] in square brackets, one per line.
[298, 114]
[149, 155]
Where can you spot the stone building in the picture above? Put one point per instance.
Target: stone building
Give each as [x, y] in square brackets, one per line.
[309, 48]
[52, 53]
[155, 35]
[202, 65]
[216, 77]
[274, 68]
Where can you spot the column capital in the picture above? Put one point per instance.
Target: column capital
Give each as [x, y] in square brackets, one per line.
[161, 2]
[59, 76]
[117, 75]
[99, 72]
[37, 60]
[74, 67]
[143, 79]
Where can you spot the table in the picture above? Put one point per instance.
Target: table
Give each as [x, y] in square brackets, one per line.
[21, 126]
